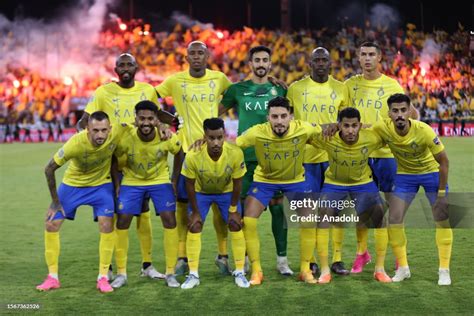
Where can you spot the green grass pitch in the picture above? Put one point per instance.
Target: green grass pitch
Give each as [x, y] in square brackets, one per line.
[24, 199]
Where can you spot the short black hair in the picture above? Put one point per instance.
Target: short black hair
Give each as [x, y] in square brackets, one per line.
[213, 124]
[371, 44]
[259, 48]
[99, 116]
[348, 113]
[398, 98]
[146, 105]
[279, 102]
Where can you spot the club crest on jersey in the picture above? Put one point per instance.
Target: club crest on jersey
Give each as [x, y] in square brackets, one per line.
[295, 140]
[333, 95]
[380, 92]
[228, 169]
[436, 141]
[364, 150]
[111, 147]
[159, 154]
[414, 145]
[273, 92]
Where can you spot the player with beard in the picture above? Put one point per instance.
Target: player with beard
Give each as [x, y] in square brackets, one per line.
[317, 99]
[146, 174]
[250, 98]
[279, 146]
[118, 100]
[422, 161]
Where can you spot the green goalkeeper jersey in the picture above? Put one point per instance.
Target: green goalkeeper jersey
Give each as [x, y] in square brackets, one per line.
[250, 100]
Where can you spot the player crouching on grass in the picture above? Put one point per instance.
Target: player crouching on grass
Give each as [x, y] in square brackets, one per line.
[213, 175]
[146, 174]
[86, 181]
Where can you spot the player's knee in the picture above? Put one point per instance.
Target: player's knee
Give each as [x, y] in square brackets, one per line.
[196, 228]
[234, 226]
[53, 226]
[106, 226]
[168, 219]
[123, 222]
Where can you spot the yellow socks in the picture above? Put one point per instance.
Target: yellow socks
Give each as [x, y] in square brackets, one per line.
[145, 235]
[238, 249]
[337, 234]
[322, 237]
[362, 237]
[221, 230]
[51, 251]
[444, 241]
[170, 240]
[252, 243]
[307, 242]
[193, 250]
[398, 240]
[121, 250]
[182, 225]
[381, 241]
[106, 249]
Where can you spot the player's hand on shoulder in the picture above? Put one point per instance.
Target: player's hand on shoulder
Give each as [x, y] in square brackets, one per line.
[329, 130]
[196, 146]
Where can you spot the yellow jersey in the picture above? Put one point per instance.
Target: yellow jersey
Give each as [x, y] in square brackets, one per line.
[317, 103]
[280, 159]
[414, 151]
[146, 162]
[349, 164]
[214, 177]
[119, 103]
[370, 98]
[90, 165]
[195, 100]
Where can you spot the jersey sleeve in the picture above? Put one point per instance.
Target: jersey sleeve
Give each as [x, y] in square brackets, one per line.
[225, 83]
[247, 139]
[434, 143]
[239, 164]
[345, 98]
[188, 169]
[174, 145]
[229, 99]
[165, 89]
[93, 104]
[380, 129]
[66, 152]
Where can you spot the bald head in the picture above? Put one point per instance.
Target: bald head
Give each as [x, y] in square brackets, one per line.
[197, 43]
[197, 57]
[125, 56]
[126, 68]
[320, 64]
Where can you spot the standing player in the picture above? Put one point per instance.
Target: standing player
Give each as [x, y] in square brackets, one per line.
[196, 94]
[279, 147]
[422, 161]
[214, 176]
[118, 100]
[146, 174]
[349, 174]
[368, 92]
[86, 182]
[250, 98]
[317, 100]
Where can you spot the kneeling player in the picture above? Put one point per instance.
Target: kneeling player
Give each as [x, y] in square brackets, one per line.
[349, 175]
[86, 182]
[214, 176]
[146, 174]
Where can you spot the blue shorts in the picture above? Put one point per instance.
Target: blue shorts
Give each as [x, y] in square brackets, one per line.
[314, 176]
[182, 194]
[204, 202]
[364, 196]
[383, 172]
[407, 185]
[100, 197]
[264, 192]
[130, 200]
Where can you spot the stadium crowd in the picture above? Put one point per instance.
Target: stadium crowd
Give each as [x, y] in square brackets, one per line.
[440, 87]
